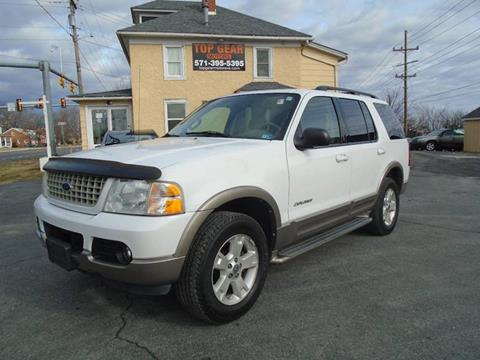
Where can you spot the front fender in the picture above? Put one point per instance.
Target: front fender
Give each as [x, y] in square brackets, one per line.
[217, 201]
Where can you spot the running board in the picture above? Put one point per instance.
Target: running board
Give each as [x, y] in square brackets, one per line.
[319, 240]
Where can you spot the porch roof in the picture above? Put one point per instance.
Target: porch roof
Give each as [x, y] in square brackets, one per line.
[123, 94]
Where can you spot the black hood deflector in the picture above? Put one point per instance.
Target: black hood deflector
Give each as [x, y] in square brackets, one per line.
[103, 168]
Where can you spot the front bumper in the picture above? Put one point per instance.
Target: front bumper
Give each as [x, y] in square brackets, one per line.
[153, 242]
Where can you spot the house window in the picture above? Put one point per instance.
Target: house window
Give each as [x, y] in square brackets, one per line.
[263, 63]
[175, 112]
[174, 63]
[144, 18]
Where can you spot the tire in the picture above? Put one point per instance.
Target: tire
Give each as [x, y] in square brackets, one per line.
[379, 225]
[431, 146]
[215, 243]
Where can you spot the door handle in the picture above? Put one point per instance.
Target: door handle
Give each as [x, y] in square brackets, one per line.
[381, 151]
[341, 158]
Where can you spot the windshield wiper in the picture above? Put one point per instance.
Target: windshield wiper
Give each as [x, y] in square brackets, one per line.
[208, 133]
[170, 135]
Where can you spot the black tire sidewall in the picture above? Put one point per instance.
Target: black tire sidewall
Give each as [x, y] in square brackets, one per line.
[215, 309]
[388, 183]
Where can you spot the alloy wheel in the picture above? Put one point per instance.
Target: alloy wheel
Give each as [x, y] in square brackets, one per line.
[389, 210]
[235, 269]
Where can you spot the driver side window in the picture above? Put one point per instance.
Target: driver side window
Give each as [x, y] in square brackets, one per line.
[320, 114]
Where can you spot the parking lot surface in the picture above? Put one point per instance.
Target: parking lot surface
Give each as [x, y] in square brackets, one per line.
[414, 294]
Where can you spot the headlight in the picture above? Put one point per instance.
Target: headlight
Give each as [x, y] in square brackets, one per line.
[138, 197]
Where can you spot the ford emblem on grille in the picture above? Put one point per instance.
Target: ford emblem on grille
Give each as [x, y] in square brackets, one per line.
[66, 186]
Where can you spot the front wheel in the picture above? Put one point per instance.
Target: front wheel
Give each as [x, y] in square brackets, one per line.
[385, 213]
[225, 269]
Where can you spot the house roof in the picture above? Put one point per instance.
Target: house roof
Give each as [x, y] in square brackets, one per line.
[262, 85]
[188, 19]
[475, 114]
[122, 94]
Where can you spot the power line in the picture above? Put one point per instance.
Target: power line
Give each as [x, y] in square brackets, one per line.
[452, 44]
[415, 33]
[25, 4]
[451, 28]
[101, 45]
[445, 98]
[452, 57]
[33, 39]
[52, 17]
[91, 69]
[448, 18]
[476, 83]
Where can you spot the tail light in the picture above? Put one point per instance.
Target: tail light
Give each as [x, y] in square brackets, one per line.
[409, 156]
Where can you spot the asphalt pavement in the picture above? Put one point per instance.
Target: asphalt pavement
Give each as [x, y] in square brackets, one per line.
[34, 153]
[412, 295]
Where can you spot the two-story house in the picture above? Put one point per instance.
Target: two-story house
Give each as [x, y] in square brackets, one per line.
[183, 53]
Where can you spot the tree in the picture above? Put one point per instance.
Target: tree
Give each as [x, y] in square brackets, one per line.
[394, 98]
[428, 118]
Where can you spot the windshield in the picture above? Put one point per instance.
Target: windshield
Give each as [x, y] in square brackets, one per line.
[436, 133]
[249, 116]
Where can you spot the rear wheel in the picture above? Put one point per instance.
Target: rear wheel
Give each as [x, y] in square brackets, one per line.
[431, 146]
[225, 269]
[385, 213]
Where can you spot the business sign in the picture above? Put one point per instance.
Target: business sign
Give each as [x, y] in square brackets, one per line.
[218, 57]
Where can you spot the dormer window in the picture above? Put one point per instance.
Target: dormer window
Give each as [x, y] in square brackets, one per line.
[153, 15]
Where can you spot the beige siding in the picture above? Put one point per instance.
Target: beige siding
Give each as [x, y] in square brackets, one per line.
[150, 90]
[296, 66]
[317, 69]
[472, 136]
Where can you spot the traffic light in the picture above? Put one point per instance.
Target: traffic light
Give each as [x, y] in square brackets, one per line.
[40, 103]
[72, 88]
[63, 102]
[61, 82]
[18, 105]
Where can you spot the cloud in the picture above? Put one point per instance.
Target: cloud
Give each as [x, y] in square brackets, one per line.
[366, 29]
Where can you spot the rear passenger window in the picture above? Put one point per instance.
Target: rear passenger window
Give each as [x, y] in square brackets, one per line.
[391, 121]
[355, 124]
[372, 132]
[320, 114]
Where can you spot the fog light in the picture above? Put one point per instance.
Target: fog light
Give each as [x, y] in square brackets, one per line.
[124, 255]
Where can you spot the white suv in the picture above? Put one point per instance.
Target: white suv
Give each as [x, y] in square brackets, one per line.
[245, 180]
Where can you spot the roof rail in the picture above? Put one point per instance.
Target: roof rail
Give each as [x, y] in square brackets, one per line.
[346, 91]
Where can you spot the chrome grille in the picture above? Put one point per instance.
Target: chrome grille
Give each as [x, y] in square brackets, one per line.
[78, 189]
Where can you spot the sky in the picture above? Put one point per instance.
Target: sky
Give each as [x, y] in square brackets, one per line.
[446, 31]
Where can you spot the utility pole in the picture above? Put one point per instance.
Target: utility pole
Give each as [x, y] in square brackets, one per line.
[405, 76]
[73, 25]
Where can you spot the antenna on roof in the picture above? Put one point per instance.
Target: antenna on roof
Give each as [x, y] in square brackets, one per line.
[205, 11]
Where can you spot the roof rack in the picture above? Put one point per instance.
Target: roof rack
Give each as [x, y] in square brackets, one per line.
[346, 91]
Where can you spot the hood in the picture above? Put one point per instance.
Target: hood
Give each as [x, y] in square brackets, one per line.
[164, 152]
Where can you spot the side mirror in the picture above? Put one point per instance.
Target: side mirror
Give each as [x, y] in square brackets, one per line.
[312, 138]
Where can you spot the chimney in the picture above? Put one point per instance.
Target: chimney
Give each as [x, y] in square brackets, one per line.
[212, 7]
[205, 7]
